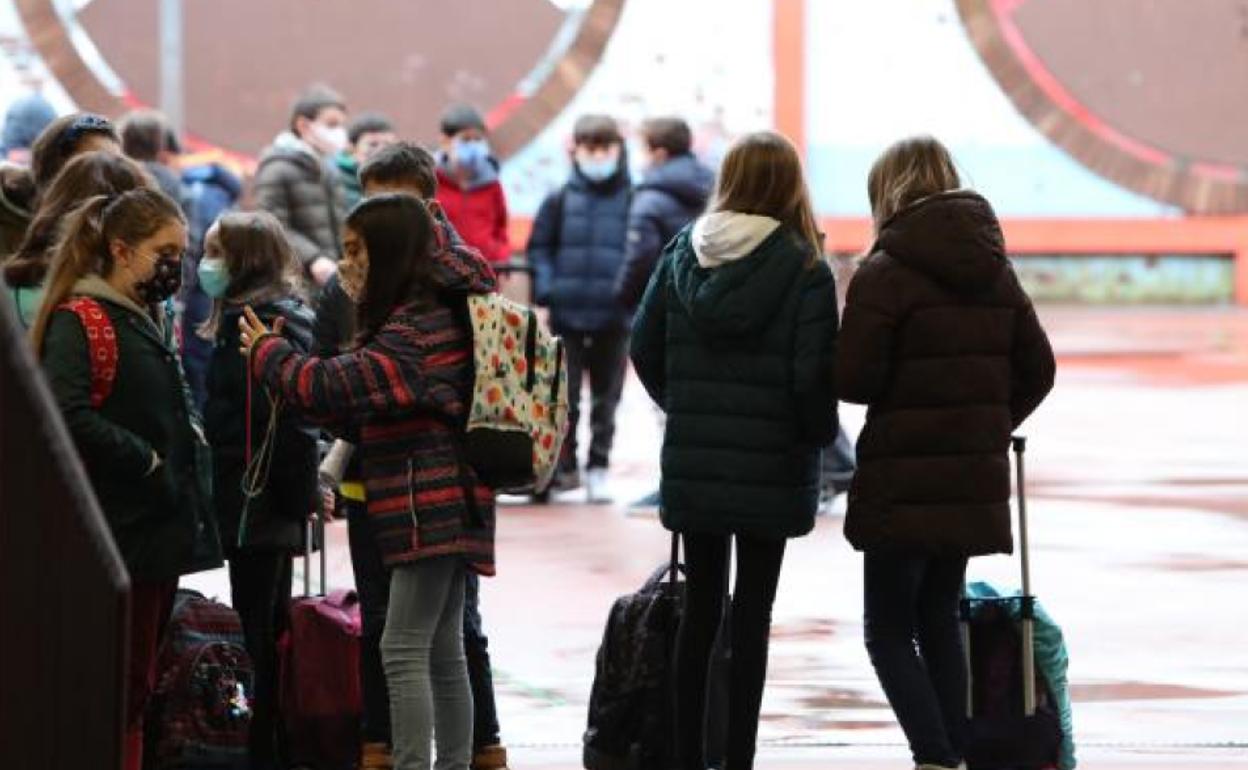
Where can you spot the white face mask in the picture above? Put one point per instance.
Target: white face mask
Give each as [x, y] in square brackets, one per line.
[332, 139]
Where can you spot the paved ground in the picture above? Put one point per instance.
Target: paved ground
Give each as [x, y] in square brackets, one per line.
[1140, 527]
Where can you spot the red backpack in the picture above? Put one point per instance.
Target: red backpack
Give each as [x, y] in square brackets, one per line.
[101, 346]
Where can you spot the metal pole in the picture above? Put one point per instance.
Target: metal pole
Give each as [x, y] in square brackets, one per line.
[171, 61]
[1028, 624]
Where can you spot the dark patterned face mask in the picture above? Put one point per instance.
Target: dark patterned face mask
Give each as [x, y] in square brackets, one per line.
[165, 282]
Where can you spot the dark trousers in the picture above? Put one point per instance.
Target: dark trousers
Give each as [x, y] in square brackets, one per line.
[758, 574]
[260, 581]
[480, 676]
[915, 644]
[372, 584]
[150, 607]
[604, 356]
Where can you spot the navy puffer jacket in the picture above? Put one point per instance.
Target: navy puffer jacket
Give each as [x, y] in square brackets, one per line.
[577, 249]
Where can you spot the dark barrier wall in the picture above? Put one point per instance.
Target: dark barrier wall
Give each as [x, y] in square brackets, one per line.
[64, 592]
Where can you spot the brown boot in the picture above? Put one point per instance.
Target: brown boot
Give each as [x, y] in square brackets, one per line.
[490, 758]
[376, 756]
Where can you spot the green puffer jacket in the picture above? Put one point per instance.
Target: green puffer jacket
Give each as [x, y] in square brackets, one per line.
[735, 340]
[162, 518]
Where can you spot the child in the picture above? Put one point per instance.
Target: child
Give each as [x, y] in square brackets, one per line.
[408, 386]
[468, 186]
[943, 345]
[734, 338]
[408, 169]
[365, 136]
[137, 436]
[248, 262]
[577, 249]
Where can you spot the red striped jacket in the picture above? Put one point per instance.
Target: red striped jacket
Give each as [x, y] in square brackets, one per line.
[409, 391]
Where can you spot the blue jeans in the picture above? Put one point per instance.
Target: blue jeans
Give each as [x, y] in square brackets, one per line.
[915, 644]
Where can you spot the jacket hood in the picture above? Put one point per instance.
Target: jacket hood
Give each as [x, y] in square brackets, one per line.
[96, 287]
[954, 238]
[726, 236]
[459, 268]
[289, 147]
[740, 297]
[682, 177]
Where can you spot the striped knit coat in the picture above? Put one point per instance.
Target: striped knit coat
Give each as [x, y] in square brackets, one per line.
[409, 391]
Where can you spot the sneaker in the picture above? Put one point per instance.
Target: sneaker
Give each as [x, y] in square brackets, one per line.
[646, 506]
[490, 758]
[596, 486]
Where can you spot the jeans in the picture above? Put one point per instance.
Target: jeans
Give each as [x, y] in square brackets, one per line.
[150, 607]
[480, 676]
[758, 574]
[260, 582]
[604, 355]
[915, 644]
[423, 651]
[372, 584]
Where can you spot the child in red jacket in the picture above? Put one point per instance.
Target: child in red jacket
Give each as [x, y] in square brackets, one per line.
[468, 186]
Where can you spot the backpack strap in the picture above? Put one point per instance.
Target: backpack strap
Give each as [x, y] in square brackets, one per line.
[101, 346]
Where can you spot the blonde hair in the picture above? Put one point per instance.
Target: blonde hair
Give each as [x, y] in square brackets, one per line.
[259, 259]
[762, 174]
[907, 172]
[83, 249]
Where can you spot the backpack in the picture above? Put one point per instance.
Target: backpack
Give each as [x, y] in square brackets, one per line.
[631, 718]
[519, 412]
[199, 713]
[101, 346]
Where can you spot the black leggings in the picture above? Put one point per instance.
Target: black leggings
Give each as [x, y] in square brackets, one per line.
[260, 582]
[758, 574]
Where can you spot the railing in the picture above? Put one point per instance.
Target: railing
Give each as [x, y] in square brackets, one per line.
[64, 592]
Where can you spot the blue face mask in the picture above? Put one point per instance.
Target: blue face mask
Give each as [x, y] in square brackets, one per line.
[599, 169]
[214, 277]
[472, 155]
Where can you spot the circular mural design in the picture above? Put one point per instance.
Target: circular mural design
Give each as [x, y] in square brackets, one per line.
[520, 61]
[1152, 94]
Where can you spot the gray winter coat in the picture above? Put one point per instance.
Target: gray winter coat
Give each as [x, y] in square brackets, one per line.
[298, 187]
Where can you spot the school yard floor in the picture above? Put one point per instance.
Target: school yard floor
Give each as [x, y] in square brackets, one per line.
[1138, 470]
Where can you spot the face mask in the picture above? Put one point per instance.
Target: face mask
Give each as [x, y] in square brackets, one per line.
[164, 283]
[214, 277]
[333, 139]
[471, 155]
[598, 169]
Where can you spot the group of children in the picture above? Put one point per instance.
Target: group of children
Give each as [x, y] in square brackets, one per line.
[356, 326]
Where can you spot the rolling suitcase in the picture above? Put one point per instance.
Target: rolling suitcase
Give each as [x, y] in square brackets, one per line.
[321, 701]
[1014, 722]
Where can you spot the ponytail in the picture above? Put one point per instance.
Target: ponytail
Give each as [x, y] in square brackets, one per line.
[83, 248]
[78, 254]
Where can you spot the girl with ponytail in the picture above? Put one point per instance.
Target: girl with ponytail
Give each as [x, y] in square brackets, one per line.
[123, 397]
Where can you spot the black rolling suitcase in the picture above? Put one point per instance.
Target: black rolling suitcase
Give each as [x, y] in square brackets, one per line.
[1013, 718]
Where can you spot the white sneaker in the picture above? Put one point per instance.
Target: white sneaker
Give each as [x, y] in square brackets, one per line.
[596, 486]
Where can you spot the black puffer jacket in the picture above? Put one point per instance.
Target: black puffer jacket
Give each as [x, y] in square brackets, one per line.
[740, 358]
[668, 198]
[940, 340]
[295, 185]
[576, 249]
[275, 518]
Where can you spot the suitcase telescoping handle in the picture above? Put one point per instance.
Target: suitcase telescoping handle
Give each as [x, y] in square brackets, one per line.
[317, 521]
[1028, 609]
[1027, 602]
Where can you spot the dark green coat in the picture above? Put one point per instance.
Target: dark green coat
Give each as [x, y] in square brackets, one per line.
[740, 358]
[162, 520]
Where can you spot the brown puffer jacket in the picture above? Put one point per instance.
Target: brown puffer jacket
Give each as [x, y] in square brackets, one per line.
[295, 185]
[943, 344]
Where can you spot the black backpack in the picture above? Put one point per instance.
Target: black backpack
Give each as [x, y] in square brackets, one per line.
[631, 705]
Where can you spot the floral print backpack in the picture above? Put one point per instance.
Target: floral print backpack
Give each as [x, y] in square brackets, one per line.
[519, 413]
